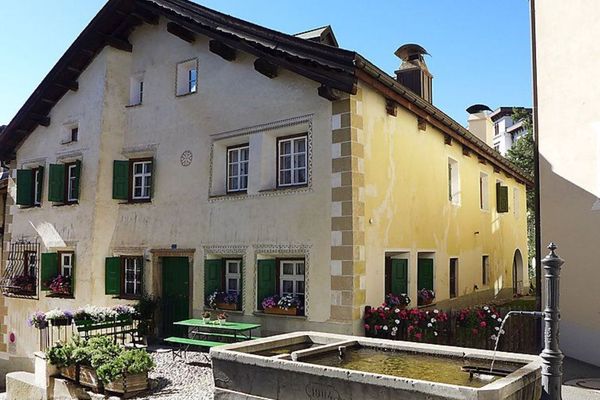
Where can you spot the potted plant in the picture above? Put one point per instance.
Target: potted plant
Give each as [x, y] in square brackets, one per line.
[59, 317]
[38, 320]
[425, 296]
[144, 312]
[23, 284]
[222, 318]
[206, 317]
[96, 352]
[227, 301]
[127, 373]
[284, 305]
[400, 301]
[61, 285]
[61, 357]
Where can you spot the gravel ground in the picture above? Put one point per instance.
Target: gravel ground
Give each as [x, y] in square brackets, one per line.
[180, 379]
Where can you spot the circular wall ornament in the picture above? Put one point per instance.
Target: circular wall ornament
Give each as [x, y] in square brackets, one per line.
[186, 158]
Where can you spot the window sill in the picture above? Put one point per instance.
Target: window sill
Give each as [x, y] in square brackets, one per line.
[34, 207]
[235, 312]
[264, 314]
[127, 297]
[133, 105]
[185, 94]
[69, 203]
[60, 296]
[149, 201]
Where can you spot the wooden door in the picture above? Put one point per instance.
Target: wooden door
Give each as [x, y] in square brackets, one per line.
[175, 294]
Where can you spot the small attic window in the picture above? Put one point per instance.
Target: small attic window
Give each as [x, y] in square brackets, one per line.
[74, 134]
[187, 77]
[136, 90]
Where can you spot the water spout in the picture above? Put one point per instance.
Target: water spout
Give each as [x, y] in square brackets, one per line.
[535, 314]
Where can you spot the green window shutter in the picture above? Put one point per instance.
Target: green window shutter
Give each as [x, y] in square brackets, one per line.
[25, 187]
[112, 275]
[56, 183]
[267, 280]
[49, 269]
[40, 184]
[501, 198]
[213, 276]
[241, 288]
[399, 284]
[121, 180]
[425, 274]
[77, 178]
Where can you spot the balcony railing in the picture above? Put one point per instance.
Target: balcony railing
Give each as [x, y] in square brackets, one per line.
[20, 275]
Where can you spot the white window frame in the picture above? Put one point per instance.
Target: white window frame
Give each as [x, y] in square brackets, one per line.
[71, 178]
[453, 181]
[143, 175]
[237, 165]
[137, 269]
[136, 90]
[484, 191]
[187, 77]
[293, 160]
[37, 196]
[295, 277]
[64, 256]
[233, 275]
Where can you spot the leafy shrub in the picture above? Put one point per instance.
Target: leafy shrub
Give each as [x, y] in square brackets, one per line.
[60, 355]
[127, 362]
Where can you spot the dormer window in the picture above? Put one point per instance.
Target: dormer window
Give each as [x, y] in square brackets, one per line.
[187, 77]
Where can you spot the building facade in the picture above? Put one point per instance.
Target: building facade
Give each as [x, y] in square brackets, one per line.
[506, 130]
[173, 160]
[569, 162]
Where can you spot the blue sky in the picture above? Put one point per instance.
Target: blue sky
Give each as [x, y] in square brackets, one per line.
[480, 51]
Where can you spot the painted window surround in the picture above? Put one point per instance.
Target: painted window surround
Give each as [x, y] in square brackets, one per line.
[262, 164]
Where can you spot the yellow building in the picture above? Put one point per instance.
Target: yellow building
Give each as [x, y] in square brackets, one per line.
[187, 152]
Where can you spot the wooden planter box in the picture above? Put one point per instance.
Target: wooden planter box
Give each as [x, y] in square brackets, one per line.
[89, 378]
[129, 384]
[227, 306]
[281, 311]
[69, 372]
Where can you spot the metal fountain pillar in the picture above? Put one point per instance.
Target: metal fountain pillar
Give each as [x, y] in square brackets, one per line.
[551, 356]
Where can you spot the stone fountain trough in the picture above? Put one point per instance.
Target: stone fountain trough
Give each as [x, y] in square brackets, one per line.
[322, 366]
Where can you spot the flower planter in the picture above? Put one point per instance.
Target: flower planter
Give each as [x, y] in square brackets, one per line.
[61, 321]
[89, 378]
[221, 321]
[281, 311]
[69, 372]
[227, 306]
[130, 383]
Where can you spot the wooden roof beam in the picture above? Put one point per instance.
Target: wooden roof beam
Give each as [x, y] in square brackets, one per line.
[329, 93]
[266, 68]
[43, 120]
[69, 85]
[48, 101]
[117, 43]
[146, 16]
[181, 32]
[222, 50]
[391, 107]
[73, 69]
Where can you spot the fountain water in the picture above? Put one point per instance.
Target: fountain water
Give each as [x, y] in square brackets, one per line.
[536, 314]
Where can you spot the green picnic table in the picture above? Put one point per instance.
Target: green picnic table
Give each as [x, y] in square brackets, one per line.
[232, 330]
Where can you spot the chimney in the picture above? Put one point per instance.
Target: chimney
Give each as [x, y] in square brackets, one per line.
[413, 72]
[480, 124]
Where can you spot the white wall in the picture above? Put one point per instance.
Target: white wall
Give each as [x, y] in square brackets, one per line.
[568, 75]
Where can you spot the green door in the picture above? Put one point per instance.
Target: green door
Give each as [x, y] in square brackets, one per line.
[425, 274]
[399, 278]
[175, 294]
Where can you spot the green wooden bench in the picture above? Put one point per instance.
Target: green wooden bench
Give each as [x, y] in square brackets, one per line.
[116, 328]
[185, 343]
[222, 335]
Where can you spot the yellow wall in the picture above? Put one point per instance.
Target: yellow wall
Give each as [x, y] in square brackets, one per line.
[407, 206]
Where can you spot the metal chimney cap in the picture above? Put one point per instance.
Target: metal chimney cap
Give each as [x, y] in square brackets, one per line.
[405, 52]
[477, 108]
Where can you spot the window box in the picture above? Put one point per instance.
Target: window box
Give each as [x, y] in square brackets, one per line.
[227, 306]
[89, 378]
[281, 311]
